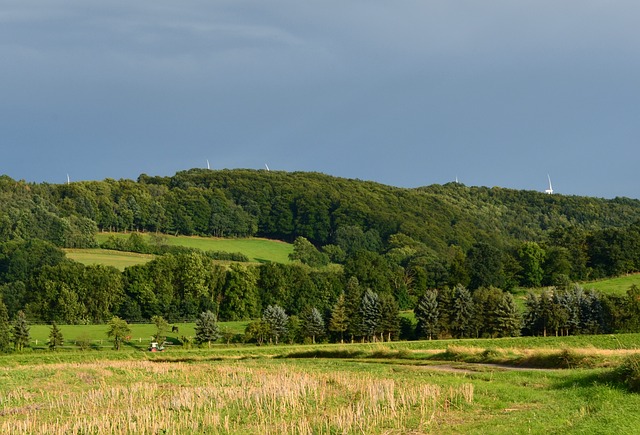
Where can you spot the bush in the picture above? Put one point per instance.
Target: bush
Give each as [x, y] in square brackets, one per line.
[629, 373]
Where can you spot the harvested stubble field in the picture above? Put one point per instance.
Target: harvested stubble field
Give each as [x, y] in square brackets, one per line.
[319, 389]
[151, 397]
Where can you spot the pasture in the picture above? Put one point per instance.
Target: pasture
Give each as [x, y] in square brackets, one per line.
[411, 387]
[119, 260]
[258, 250]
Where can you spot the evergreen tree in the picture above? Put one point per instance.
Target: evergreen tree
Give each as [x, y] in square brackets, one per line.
[339, 321]
[313, 324]
[446, 310]
[462, 318]
[427, 313]
[370, 312]
[21, 332]
[352, 299]
[207, 330]
[55, 337]
[389, 320]
[5, 328]
[485, 303]
[118, 330]
[277, 319]
[592, 316]
[508, 317]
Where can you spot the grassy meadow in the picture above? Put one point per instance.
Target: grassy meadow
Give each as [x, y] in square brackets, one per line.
[258, 250]
[618, 285]
[390, 388]
[117, 259]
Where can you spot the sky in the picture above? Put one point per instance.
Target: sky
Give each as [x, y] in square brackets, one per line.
[406, 93]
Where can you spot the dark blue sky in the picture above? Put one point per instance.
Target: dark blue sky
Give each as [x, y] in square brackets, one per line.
[410, 93]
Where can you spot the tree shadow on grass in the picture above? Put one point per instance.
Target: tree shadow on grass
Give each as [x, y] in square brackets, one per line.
[611, 378]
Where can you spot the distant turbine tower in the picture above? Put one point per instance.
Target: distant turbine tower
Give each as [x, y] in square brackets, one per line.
[266, 166]
[208, 167]
[550, 189]
[68, 179]
[457, 179]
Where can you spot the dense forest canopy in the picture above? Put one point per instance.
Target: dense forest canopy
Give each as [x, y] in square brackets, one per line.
[397, 243]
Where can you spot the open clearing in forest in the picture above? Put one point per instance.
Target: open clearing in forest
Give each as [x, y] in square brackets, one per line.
[410, 387]
[105, 257]
[258, 250]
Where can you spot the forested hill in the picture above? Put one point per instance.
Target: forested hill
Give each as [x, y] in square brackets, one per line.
[315, 206]
[284, 205]
[392, 242]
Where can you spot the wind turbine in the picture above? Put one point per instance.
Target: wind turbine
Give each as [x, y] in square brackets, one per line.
[208, 167]
[550, 189]
[266, 166]
[68, 179]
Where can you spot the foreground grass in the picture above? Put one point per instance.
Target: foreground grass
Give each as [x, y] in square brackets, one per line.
[258, 250]
[204, 391]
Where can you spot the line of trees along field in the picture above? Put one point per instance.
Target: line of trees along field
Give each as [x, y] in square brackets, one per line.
[396, 244]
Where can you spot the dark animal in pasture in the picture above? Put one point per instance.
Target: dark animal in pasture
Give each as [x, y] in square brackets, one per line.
[174, 328]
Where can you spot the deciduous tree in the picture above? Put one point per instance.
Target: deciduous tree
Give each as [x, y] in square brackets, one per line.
[118, 330]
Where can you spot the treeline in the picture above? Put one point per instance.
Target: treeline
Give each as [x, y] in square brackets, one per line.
[357, 301]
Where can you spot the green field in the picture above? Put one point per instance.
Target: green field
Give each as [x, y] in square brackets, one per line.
[258, 250]
[618, 286]
[117, 259]
[140, 334]
[390, 388]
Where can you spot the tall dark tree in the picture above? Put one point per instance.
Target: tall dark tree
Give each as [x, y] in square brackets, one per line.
[352, 298]
[370, 312]
[531, 257]
[463, 313]
[240, 299]
[486, 302]
[427, 313]
[508, 318]
[389, 317]
[485, 265]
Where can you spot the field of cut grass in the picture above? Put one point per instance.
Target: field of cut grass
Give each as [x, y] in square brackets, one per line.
[258, 250]
[117, 259]
[359, 388]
